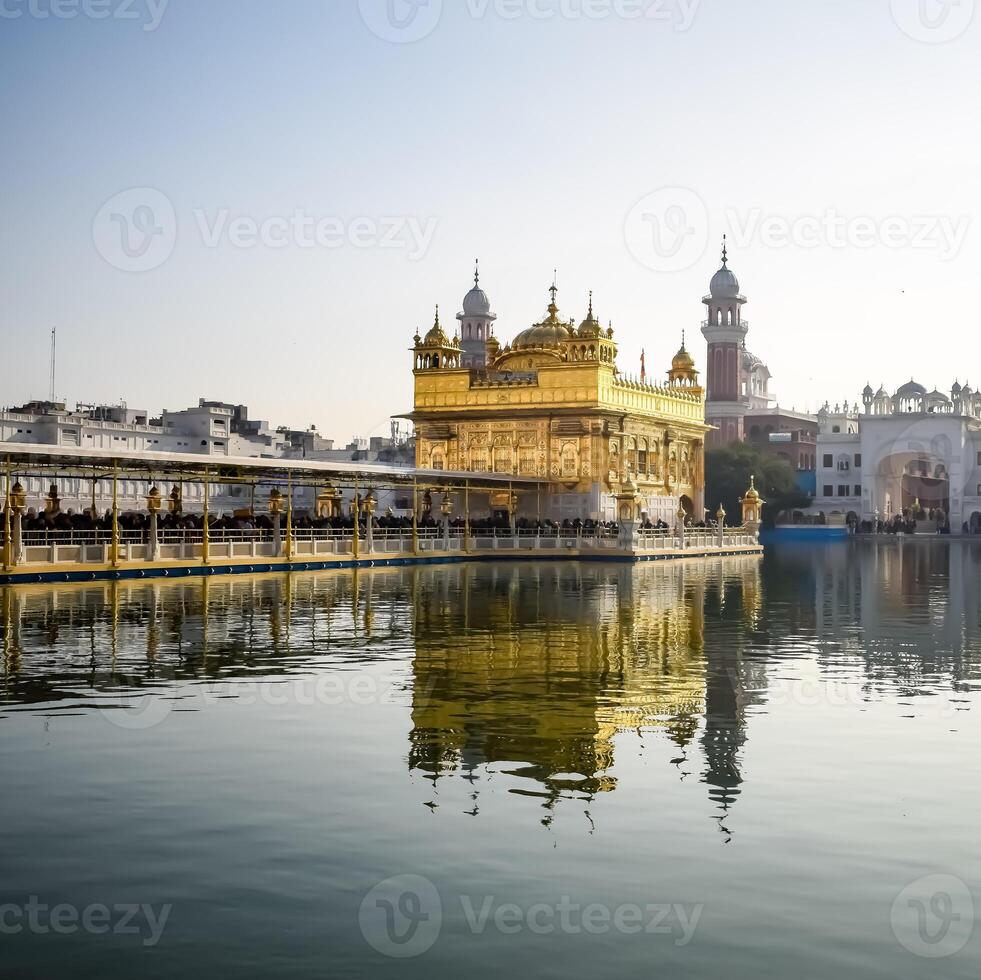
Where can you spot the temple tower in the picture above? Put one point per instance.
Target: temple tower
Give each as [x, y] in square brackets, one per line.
[725, 331]
[476, 324]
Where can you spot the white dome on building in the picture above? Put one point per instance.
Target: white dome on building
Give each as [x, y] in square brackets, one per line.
[476, 302]
[911, 389]
[724, 284]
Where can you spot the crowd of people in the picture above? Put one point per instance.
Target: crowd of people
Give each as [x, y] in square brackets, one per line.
[71, 521]
[906, 522]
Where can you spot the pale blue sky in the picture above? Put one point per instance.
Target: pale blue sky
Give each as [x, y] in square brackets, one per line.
[525, 141]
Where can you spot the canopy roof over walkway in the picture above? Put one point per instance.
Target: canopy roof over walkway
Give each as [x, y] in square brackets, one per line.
[63, 461]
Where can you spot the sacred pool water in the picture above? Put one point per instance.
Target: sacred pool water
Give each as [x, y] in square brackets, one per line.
[720, 768]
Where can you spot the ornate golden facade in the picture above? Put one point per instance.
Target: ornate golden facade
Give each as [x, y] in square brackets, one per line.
[553, 404]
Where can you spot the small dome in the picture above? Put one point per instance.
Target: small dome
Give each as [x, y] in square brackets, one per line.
[882, 393]
[437, 336]
[911, 390]
[868, 392]
[938, 396]
[683, 361]
[724, 284]
[752, 494]
[956, 390]
[476, 303]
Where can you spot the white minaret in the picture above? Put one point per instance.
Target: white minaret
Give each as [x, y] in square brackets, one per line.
[476, 324]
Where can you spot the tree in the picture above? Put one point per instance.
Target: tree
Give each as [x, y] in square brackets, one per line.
[727, 475]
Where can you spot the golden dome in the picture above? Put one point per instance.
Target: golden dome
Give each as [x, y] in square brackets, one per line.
[752, 494]
[551, 332]
[437, 336]
[683, 367]
[683, 361]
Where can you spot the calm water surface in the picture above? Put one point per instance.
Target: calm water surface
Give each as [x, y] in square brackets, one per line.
[711, 769]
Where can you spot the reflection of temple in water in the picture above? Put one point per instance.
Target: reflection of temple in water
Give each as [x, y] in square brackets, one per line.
[538, 669]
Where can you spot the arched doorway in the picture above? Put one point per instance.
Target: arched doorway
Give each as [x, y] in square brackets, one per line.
[910, 480]
[975, 523]
[688, 505]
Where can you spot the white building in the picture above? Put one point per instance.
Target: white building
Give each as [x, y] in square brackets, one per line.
[910, 448]
[212, 428]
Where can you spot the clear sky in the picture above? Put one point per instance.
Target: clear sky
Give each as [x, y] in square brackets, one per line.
[836, 143]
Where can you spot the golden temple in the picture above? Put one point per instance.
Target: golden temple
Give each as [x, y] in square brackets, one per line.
[553, 404]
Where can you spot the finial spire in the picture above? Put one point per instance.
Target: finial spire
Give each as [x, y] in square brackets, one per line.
[436, 324]
[684, 338]
[725, 250]
[476, 272]
[590, 304]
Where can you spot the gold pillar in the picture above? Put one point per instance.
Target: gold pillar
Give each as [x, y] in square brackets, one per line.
[415, 516]
[205, 538]
[7, 543]
[466, 518]
[289, 519]
[356, 509]
[114, 546]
